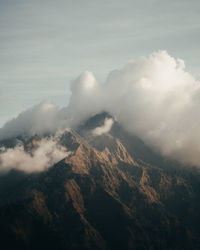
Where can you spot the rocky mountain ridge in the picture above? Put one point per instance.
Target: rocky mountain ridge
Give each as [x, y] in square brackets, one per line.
[104, 195]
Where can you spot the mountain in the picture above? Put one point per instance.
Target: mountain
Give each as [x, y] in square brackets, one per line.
[111, 192]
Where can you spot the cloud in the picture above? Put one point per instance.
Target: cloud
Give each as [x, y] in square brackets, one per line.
[37, 120]
[46, 153]
[105, 128]
[154, 98]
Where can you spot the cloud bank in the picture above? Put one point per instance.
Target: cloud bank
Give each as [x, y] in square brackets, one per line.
[47, 153]
[154, 98]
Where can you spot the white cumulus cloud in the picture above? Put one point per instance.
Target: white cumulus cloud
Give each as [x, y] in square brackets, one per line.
[154, 98]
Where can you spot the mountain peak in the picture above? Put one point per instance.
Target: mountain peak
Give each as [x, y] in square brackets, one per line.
[107, 193]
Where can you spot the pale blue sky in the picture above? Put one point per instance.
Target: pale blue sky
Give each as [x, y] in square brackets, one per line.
[44, 44]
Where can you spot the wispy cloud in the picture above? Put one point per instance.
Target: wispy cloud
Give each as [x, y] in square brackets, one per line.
[105, 128]
[46, 153]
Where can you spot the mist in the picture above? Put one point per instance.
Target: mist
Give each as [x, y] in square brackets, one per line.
[105, 128]
[154, 98]
[46, 153]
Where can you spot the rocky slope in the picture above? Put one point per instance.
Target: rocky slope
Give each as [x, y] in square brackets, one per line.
[111, 192]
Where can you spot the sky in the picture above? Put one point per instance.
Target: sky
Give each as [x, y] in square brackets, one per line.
[44, 45]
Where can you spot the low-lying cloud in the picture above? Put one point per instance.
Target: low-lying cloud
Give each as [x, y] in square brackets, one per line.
[41, 158]
[105, 128]
[154, 98]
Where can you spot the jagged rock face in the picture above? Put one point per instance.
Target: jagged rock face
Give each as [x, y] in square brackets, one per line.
[102, 196]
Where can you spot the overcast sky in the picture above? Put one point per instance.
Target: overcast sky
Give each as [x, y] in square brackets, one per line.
[45, 44]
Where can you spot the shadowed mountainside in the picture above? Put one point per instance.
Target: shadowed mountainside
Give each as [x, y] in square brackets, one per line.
[112, 192]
